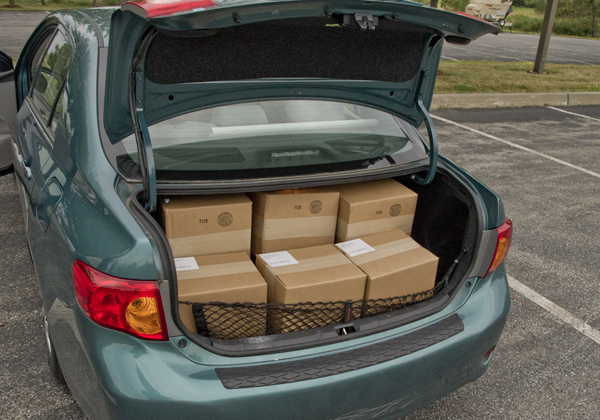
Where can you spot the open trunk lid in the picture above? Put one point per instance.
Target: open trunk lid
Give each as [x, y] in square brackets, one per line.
[170, 58]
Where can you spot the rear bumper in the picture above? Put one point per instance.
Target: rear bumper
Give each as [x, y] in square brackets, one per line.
[135, 379]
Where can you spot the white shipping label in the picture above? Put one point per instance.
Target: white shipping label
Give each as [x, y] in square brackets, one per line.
[186, 264]
[355, 247]
[279, 259]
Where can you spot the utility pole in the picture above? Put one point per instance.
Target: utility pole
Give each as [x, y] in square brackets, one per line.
[433, 3]
[542, 51]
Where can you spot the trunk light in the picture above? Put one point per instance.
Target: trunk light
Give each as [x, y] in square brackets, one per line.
[130, 306]
[163, 8]
[502, 245]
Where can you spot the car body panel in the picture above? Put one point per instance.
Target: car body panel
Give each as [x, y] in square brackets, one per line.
[88, 221]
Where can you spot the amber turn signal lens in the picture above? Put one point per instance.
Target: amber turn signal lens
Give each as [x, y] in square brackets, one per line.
[501, 253]
[143, 316]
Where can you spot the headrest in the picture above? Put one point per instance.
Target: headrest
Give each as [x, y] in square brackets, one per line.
[236, 115]
[308, 111]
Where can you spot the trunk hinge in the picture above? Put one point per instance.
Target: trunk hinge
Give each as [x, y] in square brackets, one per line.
[142, 136]
[432, 149]
[146, 145]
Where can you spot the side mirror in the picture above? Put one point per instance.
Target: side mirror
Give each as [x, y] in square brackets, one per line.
[41, 83]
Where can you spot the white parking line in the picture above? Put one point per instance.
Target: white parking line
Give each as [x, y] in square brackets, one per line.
[579, 324]
[573, 113]
[449, 58]
[517, 146]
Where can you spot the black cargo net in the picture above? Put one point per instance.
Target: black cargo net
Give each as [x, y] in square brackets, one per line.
[227, 321]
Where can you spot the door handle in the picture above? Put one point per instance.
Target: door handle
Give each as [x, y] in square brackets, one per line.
[26, 168]
[23, 162]
[27, 171]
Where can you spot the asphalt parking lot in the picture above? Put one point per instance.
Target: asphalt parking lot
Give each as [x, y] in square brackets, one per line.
[523, 47]
[544, 164]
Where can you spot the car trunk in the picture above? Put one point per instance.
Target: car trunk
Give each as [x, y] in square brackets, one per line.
[382, 55]
[447, 223]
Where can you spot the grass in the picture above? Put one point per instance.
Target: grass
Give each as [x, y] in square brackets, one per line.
[499, 77]
[529, 21]
[525, 11]
[52, 5]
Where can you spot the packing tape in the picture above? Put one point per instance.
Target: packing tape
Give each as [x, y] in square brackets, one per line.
[295, 227]
[307, 264]
[216, 270]
[386, 250]
[212, 243]
[347, 232]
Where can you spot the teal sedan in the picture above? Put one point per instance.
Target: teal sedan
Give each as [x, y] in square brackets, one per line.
[108, 111]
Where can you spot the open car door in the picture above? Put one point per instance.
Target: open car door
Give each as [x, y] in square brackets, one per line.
[8, 110]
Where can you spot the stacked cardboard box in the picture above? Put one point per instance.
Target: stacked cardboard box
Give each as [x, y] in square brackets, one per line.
[291, 232]
[291, 219]
[396, 265]
[226, 278]
[313, 274]
[371, 207]
[204, 225]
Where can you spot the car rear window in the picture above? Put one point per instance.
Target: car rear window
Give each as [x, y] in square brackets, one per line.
[276, 138]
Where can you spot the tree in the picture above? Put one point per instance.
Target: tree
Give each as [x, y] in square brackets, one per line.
[583, 14]
[587, 11]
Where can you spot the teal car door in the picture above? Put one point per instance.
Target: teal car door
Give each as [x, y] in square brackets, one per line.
[8, 109]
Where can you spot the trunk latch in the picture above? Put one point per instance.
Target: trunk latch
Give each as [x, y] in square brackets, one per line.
[365, 21]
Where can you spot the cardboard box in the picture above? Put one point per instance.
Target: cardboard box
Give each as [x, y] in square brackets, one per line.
[291, 219]
[397, 266]
[226, 278]
[320, 274]
[371, 207]
[205, 225]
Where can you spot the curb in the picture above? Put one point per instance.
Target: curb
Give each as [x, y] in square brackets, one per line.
[494, 100]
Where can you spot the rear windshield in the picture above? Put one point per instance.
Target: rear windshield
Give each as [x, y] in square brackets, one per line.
[275, 138]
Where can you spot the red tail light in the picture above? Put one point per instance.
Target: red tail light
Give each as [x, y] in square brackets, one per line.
[502, 245]
[163, 8]
[131, 306]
